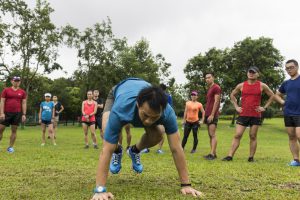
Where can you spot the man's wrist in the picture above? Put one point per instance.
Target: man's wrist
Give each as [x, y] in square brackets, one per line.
[100, 189]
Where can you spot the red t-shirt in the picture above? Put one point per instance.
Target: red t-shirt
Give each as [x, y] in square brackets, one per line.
[251, 97]
[210, 100]
[13, 99]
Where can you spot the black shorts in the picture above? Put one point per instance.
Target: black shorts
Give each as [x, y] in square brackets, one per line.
[248, 121]
[46, 122]
[12, 118]
[292, 121]
[88, 123]
[214, 121]
[99, 122]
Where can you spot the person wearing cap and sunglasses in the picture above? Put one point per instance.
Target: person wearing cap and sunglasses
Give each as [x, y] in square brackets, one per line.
[46, 118]
[191, 120]
[250, 110]
[12, 110]
[291, 88]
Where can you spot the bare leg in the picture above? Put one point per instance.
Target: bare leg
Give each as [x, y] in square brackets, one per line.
[94, 138]
[151, 137]
[51, 133]
[85, 131]
[2, 128]
[160, 144]
[13, 135]
[55, 124]
[43, 126]
[293, 141]
[213, 138]
[128, 135]
[237, 138]
[253, 140]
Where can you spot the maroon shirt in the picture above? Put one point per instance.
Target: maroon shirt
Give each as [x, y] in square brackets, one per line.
[13, 99]
[251, 97]
[210, 100]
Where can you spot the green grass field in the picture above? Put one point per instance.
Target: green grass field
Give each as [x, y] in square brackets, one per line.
[67, 171]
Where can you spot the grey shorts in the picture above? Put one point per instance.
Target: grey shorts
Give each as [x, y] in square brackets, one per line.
[110, 100]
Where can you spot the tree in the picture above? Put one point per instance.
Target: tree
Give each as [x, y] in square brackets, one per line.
[31, 39]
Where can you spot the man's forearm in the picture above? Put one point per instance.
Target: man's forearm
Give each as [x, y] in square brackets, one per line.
[24, 108]
[181, 165]
[103, 164]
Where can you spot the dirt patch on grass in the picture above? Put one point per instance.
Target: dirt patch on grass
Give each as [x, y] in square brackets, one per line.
[295, 186]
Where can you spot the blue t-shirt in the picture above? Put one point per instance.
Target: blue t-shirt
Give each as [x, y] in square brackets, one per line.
[170, 100]
[292, 101]
[47, 108]
[124, 110]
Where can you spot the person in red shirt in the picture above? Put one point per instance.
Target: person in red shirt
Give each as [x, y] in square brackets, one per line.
[88, 119]
[249, 111]
[212, 112]
[191, 119]
[12, 110]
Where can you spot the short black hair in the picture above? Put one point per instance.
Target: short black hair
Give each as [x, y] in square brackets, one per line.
[211, 73]
[292, 61]
[155, 97]
[163, 87]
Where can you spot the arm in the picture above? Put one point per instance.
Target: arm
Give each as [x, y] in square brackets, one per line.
[40, 115]
[269, 92]
[2, 115]
[215, 106]
[95, 109]
[61, 109]
[24, 109]
[279, 97]
[203, 114]
[233, 99]
[180, 162]
[184, 115]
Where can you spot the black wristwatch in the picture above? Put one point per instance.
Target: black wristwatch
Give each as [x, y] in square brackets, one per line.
[185, 184]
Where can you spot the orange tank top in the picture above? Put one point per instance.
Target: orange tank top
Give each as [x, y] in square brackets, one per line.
[192, 111]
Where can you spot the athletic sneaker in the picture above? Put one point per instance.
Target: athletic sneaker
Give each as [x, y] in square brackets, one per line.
[193, 151]
[147, 150]
[96, 146]
[159, 151]
[294, 163]
[86, 146]
[136, 161]
[227, 158]
[115, 163]
[210, 157]
[54, 144]
[10, 150]
[43, 144]
[250, 159]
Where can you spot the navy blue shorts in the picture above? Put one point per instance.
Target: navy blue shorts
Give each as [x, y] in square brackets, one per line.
[292, 121]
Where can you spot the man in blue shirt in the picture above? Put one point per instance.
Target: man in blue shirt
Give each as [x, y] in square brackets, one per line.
[291, 88]
[136, 102]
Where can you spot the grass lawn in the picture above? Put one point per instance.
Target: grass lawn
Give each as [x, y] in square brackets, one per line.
[67, 171]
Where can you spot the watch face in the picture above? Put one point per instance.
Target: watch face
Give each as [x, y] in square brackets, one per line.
[100, 189]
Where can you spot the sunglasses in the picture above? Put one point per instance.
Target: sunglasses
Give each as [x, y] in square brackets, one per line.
[251, 72]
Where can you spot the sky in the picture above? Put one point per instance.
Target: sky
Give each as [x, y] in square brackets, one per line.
[180, 30]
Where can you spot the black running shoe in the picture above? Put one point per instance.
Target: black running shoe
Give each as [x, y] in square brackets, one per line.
[96, 146]
[250, 159]
[86, 146]
[210, 157]
[227, 158]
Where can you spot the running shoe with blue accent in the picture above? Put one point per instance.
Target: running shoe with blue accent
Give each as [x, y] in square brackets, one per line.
[115, 163]
[159, 151]
[136, 161]
[294, 163]
[10, 150]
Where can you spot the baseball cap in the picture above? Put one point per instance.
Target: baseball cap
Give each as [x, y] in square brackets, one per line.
[16, 78]
[194, 93]
[47, 95]
[253, 68]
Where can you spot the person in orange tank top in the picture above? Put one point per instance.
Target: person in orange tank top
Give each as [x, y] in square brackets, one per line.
[249, 111]
[88, 119]
[191, 119]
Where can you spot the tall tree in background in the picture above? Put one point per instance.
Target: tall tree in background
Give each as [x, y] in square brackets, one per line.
[31, 40]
